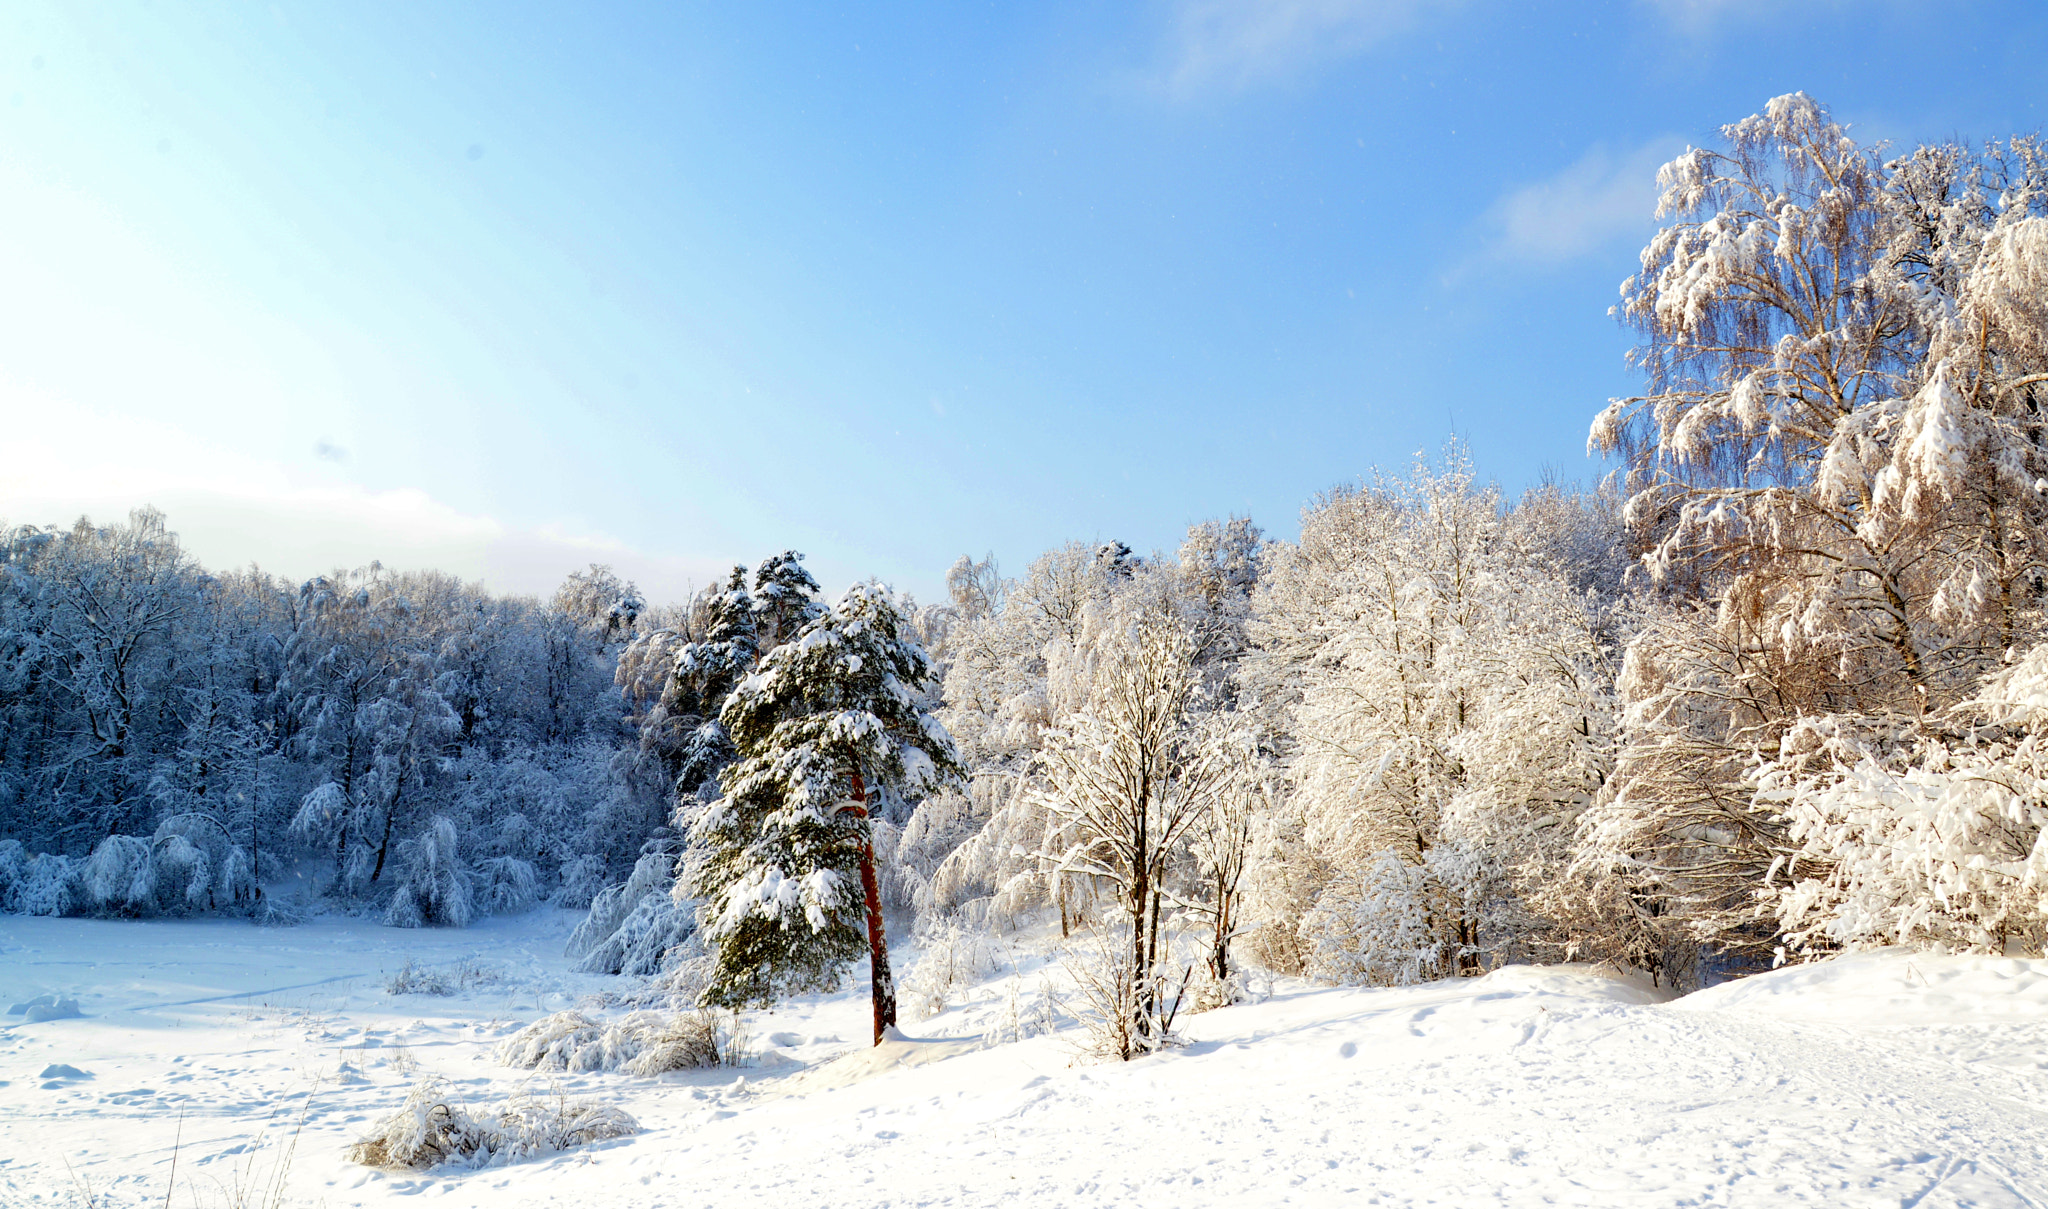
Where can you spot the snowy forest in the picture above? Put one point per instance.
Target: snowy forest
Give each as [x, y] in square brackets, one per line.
[1775, 688]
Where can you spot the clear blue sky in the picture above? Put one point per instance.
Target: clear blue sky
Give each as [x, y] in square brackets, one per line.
[509, 288]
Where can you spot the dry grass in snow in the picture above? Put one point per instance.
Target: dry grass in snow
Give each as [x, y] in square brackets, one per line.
[429, 1130]
[643, 1043]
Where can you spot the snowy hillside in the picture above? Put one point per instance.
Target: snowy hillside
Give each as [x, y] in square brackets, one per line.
[1888, 1079]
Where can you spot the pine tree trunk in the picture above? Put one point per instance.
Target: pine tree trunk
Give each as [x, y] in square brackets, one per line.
[880, 979]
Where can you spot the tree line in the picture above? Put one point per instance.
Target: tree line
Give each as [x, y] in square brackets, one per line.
[1771, 691]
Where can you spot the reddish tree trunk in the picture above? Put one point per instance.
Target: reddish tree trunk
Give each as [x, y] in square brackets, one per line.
[880, 978]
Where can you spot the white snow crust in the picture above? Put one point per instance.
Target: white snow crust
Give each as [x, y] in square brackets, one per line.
[1890, 1078]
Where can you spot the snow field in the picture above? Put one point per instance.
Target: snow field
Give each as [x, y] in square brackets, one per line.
[1886, 1079]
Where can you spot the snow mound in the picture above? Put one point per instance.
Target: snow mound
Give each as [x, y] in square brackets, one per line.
[896, 1052]
[47, 1007]
[63, 1070]
[1890, 986]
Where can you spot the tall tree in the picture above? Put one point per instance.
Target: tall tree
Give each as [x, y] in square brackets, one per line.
[1834, 466]
[831, 722]
[1129, 778]
[785, 598]
[705, 675]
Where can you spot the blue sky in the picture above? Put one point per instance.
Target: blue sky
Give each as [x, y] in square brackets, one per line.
[511, 288]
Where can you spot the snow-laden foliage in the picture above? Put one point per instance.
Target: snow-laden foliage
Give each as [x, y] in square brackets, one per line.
[653, 876]
[954, 957]
[48, 884]
[1396, 922]
[437, 890]
[264, 722]
[1834, 478]
[190, 865]
[582, 880]
[826, 719]
[505, 885]
[653, 935]
[13, 864]
[1936, 838]
[640, 1043]
[430, 1130]
[1450, 691]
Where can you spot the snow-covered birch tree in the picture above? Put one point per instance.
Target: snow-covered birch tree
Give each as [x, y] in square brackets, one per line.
[1834, 472]
[1128, 779]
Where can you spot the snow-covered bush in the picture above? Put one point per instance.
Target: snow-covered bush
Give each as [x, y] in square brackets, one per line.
[995, 878]
[1946, 845]
[506, 885]
[582, 880]
[642, 1043]
[1128, 1014]
[271, 911]
[13, 864]
[436, 889]
[953, 957]
[117, 878]
[412, 979]
[658, 933]
[188, 866]
[429, 1130]
[48, 885]
[198, 862]
[1394, 923]
[634, 926]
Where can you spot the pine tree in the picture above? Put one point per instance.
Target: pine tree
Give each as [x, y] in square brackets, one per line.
[785, 598]
[829, 723]
[705, 673]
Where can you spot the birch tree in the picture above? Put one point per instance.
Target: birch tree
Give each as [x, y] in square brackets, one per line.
[1128, 779]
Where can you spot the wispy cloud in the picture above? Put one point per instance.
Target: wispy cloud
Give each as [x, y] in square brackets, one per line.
[1698, 18]
[1600, 197]
[1232, 45]
[232, 509]
[1235, 44]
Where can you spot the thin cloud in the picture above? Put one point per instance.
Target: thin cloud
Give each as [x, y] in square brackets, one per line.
[1232, 45]
[1235, 44]
[1698, 18]
[230, 510]
[1600, 197]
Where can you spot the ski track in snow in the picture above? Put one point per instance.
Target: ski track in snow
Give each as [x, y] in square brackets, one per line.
[1880, 1080]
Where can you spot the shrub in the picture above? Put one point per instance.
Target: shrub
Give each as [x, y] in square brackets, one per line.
[48, 886]
[506, 885]
[435, 892]
[428, 1130]
[643, 1043]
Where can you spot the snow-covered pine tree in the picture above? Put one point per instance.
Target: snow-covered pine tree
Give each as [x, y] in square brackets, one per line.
[705, 673]
[785, 598]
[827, 723]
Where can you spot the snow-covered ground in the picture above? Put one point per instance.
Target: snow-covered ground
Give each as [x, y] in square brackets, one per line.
[1889, 1079]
